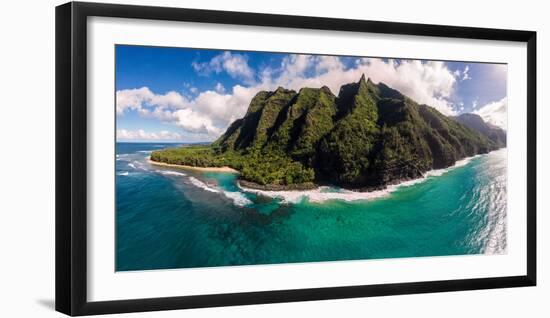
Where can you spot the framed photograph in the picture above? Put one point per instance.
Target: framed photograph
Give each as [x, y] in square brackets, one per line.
[208, 158]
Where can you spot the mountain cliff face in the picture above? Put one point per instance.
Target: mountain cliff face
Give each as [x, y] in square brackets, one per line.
[367, 137]
[475, 122]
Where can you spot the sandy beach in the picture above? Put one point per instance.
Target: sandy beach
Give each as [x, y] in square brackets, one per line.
[206, 169]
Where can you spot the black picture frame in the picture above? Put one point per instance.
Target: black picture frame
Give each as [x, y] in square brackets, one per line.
[71, 154]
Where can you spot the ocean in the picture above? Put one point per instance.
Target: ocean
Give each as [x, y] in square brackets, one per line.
[173, 218]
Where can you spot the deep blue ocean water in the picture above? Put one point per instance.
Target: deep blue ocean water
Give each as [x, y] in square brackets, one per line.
[174, 218]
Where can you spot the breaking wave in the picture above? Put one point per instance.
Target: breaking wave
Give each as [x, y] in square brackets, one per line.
[137, 165]
[196, 182]
[170, 173]
[238, 198]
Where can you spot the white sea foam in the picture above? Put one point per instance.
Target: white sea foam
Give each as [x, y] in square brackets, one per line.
[123, 157]
[323, 193]
[145, 151]
[196, 182]
[123, 173]
[320, 194]
[137, 165]
[170, 173]
[459, 163]
[238, 198]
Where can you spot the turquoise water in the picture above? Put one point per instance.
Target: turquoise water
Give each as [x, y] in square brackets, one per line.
[172, 218]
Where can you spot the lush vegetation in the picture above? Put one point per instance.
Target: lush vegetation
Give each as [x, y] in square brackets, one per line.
[366, 137]
[257, 166]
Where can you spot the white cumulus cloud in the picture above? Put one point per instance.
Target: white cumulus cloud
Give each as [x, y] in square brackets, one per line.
[123, 134]
[220, 88]
[210, 112]
[131, 98]
[495, 113]
[430, 83]
[328, 63]
[236, 65]
[138, 98]
[465, 74]
[456, 73]
[196, 122]
[296, 64]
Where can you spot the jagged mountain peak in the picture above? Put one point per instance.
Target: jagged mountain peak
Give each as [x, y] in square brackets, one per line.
[369, 135]
[326, 90]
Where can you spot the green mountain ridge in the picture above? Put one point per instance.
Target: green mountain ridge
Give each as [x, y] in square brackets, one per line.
[475, 122]
[367, 137]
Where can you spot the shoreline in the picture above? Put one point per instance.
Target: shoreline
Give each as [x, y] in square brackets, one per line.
[185, 167]
[317, 192]
[322, 193]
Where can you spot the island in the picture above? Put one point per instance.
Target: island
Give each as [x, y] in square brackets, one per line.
[367, 137]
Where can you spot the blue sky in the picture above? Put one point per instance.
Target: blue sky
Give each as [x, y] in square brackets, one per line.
[192, 95]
